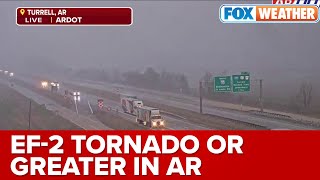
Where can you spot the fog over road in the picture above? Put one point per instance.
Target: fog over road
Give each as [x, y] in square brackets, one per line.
[192, 105]
[84, 110]
[85, 119]
[80, 120]
[185, 37]
[180, 37]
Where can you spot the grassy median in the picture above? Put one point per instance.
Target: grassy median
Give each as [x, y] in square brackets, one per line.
[14, 113]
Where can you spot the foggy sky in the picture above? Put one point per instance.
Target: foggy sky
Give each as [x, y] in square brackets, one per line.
[177, 36]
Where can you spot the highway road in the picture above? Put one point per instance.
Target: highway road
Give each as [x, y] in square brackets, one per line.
[80, 120]
[86, 99]
[192, 104]
[171, 123]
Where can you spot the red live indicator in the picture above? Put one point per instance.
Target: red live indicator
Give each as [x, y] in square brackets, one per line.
[74, 16]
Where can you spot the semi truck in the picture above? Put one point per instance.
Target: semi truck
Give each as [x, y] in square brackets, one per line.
[130, 105]
[150, 117]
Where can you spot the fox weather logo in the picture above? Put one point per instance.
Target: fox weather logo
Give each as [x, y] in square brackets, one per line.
[237, 13]
[269, 13]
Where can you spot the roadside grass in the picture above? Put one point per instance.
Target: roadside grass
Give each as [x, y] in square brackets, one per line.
[112, 120]
[14, 114]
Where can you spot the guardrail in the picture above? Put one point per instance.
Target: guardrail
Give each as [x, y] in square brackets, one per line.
[271, 115]
[171, 114]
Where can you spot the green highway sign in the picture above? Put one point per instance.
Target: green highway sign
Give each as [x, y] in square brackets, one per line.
[222, 84]
[241, 83]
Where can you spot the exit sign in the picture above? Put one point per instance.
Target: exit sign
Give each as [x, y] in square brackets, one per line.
[241, 83]
[222, 84]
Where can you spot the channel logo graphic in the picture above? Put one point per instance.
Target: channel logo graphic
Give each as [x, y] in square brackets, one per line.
[231, 13]
[299, 2]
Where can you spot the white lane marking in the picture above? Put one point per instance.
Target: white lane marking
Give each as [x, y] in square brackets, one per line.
[90, 107]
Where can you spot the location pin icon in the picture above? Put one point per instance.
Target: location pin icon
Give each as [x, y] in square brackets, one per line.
[22, 11]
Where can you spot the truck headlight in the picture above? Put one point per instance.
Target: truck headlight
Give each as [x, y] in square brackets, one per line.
[154, 123]
[44, 84]
[161, 123]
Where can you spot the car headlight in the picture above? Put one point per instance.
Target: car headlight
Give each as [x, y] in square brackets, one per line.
[154, 123]
[78, 93]
[161, 123]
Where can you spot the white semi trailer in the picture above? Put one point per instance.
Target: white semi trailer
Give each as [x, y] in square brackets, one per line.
[130, 105]
[150, 117]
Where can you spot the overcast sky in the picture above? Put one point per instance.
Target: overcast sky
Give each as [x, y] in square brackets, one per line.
[177, 36]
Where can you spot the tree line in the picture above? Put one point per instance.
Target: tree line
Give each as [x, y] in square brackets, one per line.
[149, 79]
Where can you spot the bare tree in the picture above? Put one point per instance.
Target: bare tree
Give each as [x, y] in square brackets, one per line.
[224, 72]
[207, 82]
[305, 94]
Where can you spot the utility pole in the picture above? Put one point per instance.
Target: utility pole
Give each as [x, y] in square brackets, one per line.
[30, 114]
[200, 94]
[260, 97]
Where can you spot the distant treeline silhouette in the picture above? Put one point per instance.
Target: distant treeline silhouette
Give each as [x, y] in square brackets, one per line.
[150, 79]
